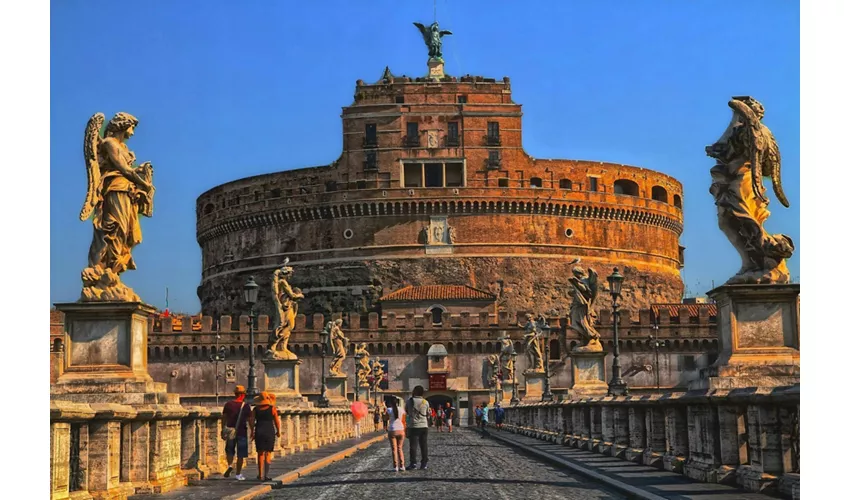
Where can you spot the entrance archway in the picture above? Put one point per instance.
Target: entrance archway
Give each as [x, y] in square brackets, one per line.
[436, 400]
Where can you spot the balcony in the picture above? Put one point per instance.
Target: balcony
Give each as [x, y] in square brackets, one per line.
[452, 141]
[370, 142]
[412, 141]
[493, 140]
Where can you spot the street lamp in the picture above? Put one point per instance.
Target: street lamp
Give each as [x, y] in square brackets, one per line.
[514, 399]
[656, 343]
[617, 386]
[250, 292]
[357, 357]
[220, 354]
[547, 390]
[323, 399]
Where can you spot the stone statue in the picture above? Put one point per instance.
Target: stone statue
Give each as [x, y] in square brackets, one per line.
[285, 298]
[377, 371]
[493, 370]
[118, 192]
[363, 367]
[745, 153]
[433, 39]
[506, 359]
[438, 234]
[339, 344]
[584, 291]
[452, 236]
[532, 344]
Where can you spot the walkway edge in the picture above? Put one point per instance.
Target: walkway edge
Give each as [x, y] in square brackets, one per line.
[618, 485]
[300, 472]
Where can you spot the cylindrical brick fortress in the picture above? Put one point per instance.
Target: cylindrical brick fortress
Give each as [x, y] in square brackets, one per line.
[433, 187]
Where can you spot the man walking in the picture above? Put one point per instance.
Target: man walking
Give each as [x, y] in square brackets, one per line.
[234, 422]
[418, 411]
[450, 415]
[485, 419]
[500, 415]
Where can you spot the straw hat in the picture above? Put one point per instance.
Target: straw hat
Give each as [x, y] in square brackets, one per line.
[263, 398]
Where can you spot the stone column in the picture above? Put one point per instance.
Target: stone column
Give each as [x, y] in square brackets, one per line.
[621, 431]
[297, 427]
[139, 449]
[606, 447]
[677, 438]
[656, 436]
[213, 446]
[312, 429]
[637, 434]
[765, 449]
[60, 459]
[165, 473]
[703, 456]
[288, 439]
[595, 428]
[192, 460]
[104, 480]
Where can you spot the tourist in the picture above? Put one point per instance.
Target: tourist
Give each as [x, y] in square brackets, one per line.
[499, 413]
[377, 417]
[418, 410]
[439, 416]
[395, 430]
[450, 415]
[485, 420]
[478, 412]
[385, 417]
[265, 426]
[234, 420]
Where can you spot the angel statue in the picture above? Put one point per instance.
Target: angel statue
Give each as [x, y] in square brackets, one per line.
[377, 371]
[285, 298]
[339, 344]
[745, 153]
[118, 192]
[363, 367]
[493, 370]
[532, 344]
[582, 316]
[433, 39]
[506, 359]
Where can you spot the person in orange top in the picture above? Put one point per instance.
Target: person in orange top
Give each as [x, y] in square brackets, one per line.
[265, 427]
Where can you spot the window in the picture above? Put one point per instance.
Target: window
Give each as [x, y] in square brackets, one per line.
[565, 184]
[412, 134]
[412, 175]
[209, 209]
[493, 134]
[361, 184]
[453, 139]
[330, 186]
[677, 201]
[371, 162]
[536, 182]
[593, 184]
[433, 175]
[371, 139]
[275, 193]
[399, 99]
[437, 315]
[689, 363]
[454, 174]
[503, 182]
[493, 160]
[625, 186]
[659, 194]
[461, 99]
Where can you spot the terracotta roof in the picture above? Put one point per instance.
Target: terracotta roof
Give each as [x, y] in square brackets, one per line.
[693, 309]
[438, 292]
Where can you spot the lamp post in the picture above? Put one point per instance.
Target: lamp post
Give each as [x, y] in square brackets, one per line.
[547, 390]
[657, 344]
[220, 354]
[250, 292]
[617, 386]
[357, 357]
[514, 399]
[323, 399]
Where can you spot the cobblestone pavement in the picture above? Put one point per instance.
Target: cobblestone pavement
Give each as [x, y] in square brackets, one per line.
[462, 465]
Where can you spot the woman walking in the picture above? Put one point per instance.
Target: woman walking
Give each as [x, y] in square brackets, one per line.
[439, 418]
[265, 426]
[395, 431]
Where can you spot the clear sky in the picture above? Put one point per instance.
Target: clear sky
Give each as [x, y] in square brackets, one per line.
[225, 90]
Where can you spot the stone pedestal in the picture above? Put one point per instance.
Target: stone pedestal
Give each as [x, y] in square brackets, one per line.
[436, 68]
[588, 374]
[759, 331]
[533, 386]
[508, 393]
[337, 389]
[363, 394]
[281, 377]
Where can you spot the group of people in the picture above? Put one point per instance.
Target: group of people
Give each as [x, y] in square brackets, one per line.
[241, 424]
[482, 417]
[410, 420]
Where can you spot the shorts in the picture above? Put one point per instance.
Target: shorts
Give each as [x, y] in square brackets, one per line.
[241, 447]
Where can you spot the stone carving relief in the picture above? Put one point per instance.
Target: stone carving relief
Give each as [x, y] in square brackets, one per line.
[584, 290]
[286, 299]
[118, 192]
[745, 153]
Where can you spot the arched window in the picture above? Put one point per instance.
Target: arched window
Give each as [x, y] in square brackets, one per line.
[437, 314]
[627, 187]
[659, 194]
[565, 184]
[209, 209]
[677, 201]
[536, 182]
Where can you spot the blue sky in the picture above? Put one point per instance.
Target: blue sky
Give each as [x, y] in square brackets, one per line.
[225, 90]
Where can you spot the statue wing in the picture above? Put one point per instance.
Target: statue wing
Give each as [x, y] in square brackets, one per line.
[592, 284]
[445, 32]
[91, 144]
[424, 31]
[772, 167]
[755, 143]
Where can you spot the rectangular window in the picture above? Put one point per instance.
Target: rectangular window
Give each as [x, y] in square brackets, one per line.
[454, 174]
[412, 134]
[689, 363]
[371, 138]
[593, 184]
[493, 160]
[433, 175]
[399, 99]
[371, 162]
[503, 183]
[453, 139]
[412, 175]
[461, 99]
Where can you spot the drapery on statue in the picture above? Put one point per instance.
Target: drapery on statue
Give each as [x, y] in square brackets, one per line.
[433, 39]
[117, 193]
[532, 344]
[745, 153]
[584, 291]
[363, 367]
[493, 370]
[377, 371]
[285, 298]
[505, 358]
[339, 344]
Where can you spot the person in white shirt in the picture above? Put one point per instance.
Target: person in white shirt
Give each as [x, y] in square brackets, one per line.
[395, 431]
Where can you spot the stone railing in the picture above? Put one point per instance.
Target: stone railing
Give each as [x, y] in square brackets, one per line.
[114, 451]
[748, 437]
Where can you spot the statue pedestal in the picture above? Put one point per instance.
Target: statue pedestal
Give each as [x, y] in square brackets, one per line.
[588, 374]
[363, 394]
[337, 389]
[436, 69]
[106, 355]
[533, 386]
[508, 393]
[759, 331]
[281, 377]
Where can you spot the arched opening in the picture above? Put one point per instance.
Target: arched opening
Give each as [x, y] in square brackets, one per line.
[565, 184]
[57, 345]
[380, 348]
[626, 187]
[554, 349]
[677, 201]
[535, 182]
[437, 314]
[208, 209]
[659, 194]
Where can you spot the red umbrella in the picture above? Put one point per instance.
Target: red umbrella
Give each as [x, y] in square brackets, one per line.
[359, 410]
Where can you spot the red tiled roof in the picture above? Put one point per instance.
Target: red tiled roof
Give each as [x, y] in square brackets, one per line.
[693, 309]
[438, 292]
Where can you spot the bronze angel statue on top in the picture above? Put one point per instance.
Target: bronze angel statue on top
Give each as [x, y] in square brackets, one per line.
[585, 288]
[745, 153]
[118, 193]
[433, 39]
